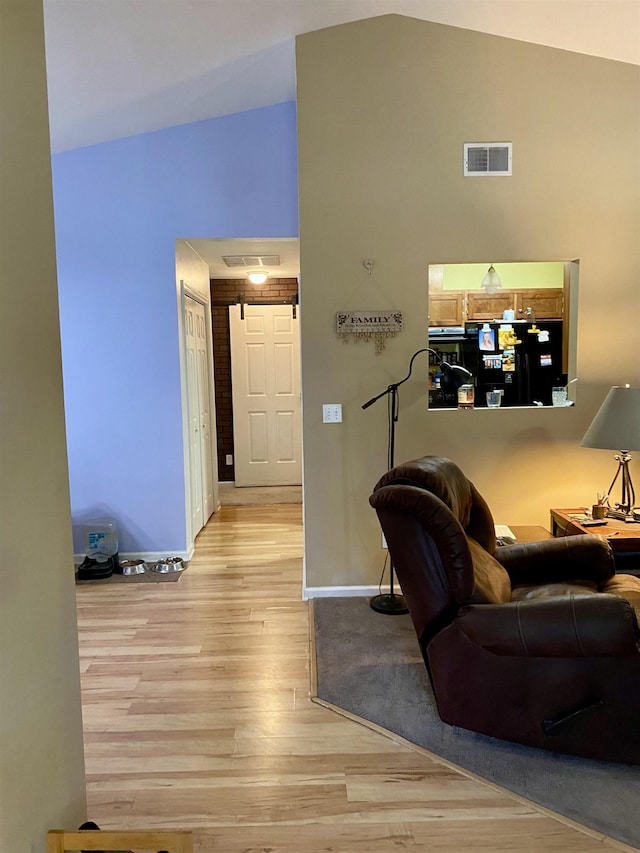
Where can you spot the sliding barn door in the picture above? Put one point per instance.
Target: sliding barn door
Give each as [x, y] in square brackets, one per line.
[265, 371]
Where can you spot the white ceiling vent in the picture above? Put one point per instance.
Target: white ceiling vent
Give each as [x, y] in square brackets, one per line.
[251, 260]
[487, 159]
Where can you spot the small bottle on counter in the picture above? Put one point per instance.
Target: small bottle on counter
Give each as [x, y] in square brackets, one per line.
[465, 397]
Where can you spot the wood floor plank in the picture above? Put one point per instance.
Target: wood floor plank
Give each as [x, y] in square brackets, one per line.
[197, 715]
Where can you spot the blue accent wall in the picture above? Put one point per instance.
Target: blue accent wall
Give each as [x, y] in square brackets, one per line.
[119, 207]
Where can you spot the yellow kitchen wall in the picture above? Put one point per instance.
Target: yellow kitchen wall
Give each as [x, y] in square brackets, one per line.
[384, 107]
[513, 276]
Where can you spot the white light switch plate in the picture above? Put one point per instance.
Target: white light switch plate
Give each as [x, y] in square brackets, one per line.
[332, 413]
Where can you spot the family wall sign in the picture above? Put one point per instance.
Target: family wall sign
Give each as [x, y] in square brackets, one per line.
[368, 325]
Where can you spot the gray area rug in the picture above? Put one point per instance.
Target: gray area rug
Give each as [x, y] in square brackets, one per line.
[370, 665]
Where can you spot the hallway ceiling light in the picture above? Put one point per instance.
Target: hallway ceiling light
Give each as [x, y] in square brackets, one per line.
[491, 282]
[257, 277]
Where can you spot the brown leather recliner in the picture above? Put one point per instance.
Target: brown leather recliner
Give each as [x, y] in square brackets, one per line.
[536, 643]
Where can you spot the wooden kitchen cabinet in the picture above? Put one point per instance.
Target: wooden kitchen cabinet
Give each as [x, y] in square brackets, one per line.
[547, 304]
[447, 308]
[454, 307]
[489, 306]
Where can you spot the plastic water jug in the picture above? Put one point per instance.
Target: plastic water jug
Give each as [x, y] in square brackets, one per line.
[100, 539]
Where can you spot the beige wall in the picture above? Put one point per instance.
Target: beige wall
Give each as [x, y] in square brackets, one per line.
[41, 756]
[384, 107]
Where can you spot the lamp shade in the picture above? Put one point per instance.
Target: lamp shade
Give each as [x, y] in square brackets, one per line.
[616, 425]
[454, 376]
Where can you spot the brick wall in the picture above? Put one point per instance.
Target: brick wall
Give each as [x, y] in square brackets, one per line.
[225, 292]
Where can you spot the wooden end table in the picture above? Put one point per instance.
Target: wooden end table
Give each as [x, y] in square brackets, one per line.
[624, 537]
[529, 532]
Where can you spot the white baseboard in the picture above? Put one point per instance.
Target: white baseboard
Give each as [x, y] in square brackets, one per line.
[147, 556]
[338, 591]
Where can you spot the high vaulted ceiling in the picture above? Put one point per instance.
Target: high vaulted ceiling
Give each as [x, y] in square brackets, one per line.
[121, 67]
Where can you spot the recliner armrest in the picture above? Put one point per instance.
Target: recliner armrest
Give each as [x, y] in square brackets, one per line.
[570, 626]
[581, 557]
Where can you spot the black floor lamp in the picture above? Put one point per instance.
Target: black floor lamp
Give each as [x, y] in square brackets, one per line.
[453, 376]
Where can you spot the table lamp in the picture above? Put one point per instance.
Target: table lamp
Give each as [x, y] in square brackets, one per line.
[616, 426]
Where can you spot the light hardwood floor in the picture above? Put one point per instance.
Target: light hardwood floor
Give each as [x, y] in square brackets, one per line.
[197, 716]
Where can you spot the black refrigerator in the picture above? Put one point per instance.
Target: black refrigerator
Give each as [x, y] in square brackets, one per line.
[523, 359]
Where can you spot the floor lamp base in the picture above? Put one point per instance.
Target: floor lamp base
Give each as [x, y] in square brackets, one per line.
[391, 604]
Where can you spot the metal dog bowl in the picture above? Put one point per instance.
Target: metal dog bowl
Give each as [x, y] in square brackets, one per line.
[169, 564]
[133, 567]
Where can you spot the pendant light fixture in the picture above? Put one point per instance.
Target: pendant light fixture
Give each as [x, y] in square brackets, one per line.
[491, 282]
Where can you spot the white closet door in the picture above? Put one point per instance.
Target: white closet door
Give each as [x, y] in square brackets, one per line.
[265, 371]
[200, 450]
[206, 450]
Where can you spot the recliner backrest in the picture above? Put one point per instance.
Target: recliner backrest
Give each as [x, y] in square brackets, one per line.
[441, 539]
[443, 478]
[430, 554]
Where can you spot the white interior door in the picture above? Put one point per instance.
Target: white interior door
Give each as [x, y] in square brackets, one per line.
[206, 449]
[265, 374]
[200, 451]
